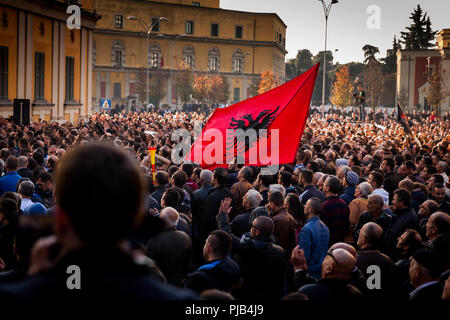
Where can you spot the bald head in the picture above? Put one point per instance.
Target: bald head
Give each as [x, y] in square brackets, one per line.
[438, 223]
[370, 235]
[264, 225]
[170, 216]
[347, 247]
[338, 264]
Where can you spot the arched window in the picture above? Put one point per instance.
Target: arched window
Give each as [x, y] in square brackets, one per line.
[189, 56]
[214, 59]
[154, 55]
[238, 61]
[118, 54]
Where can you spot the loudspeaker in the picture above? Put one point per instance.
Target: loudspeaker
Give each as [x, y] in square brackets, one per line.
[21, 111]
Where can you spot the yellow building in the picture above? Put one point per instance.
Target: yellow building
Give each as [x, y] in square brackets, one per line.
[237, 45]
[443, 38]
[44, 61]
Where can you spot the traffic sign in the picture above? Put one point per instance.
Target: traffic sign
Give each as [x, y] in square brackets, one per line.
[105, 104]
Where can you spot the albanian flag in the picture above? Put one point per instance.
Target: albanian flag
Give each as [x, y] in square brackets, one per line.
[261, 131]
[403, 119]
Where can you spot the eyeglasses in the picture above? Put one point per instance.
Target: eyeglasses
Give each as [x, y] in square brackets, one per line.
[330, 253]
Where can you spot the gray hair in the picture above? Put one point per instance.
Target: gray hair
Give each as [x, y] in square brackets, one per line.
[23, 161]
[277, 187]
[317, 176]
[254, 197]
[365, 188]
[379, 200]
[26, 188]
[442, 165]
[257, 212]
[206, 176]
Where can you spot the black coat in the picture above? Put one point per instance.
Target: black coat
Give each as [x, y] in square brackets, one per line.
[402, 220]
[263, 264]
[331, 290]
[109, 274]
[430, 293]
[206, 218]
[157, 195]
[222, 277]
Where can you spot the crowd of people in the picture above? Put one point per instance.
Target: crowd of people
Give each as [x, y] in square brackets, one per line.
[362, 212]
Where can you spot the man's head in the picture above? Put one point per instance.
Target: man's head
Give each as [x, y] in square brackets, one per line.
[428, 208]
[313, 207]
[245, 174]
[220, 177]
[401, 199]
[23, 162]
[285, 179]
[161, 178]
[251, 199]
[217, 245]
[262, 226]
[387, 165]
[170, 217]
[12, 163]
[425, 266]
[409, 242]
[98, 189]
[370, 235]
[435, 179]
[45, 182]
[438, 193]
[206, 178]
[406, 184]
[438, 223]
[276, 200]
[26, 189]
[171, 197]
[376, 180]
[332, 186]
[306, 177]
[375, 204]
[338, 264]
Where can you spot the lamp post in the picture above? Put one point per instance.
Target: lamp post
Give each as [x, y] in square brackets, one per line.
[326, 11]
[149, 28]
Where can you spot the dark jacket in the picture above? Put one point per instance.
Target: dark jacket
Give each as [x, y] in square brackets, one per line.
[390, 184]
[241, 224]
[157, 195]
[383, 221]
[284, 229]
[402, 220]
[417, 198]
[7, 245]
[106, 273]
[335, 215]
[172, 251]
[370, 257]
[430, 293]
[309, 192]
[26, 173]
[263, 264]
[348, 195]
[331, 290]
[206, 218]
[219, 274]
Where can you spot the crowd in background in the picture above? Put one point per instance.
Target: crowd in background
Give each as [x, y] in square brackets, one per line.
[357, 195]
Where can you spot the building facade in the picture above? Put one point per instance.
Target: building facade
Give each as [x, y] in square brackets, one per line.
[414, 69]
[44, 61]
[238, 46]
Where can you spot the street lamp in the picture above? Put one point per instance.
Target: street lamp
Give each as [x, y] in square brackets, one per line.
[149, 28]
[326, 11]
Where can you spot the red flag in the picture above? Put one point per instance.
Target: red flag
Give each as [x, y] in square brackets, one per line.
[162, 61]
[281, 111]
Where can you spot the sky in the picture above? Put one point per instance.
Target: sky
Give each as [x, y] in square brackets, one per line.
[350, 27]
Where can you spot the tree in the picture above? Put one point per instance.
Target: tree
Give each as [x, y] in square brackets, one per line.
[220, 90]
[369, 54]
[419, 34]
[373, 84]
[184, 82]
[436, 92]
[268, 81]
[342, 94]
[301, 63]
[141, 85]
[202, 87]
[157, 87]
[390, 62]
[317, 94]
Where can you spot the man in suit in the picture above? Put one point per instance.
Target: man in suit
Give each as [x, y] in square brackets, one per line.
[424, 273]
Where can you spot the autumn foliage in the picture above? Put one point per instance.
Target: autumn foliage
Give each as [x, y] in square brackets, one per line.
[342, 94]
[268, 81]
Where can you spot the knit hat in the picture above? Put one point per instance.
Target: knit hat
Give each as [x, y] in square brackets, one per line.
[429, 259]
[352, 178]
[36, 209]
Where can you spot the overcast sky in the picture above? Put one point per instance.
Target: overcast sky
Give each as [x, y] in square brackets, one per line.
[347, 24]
